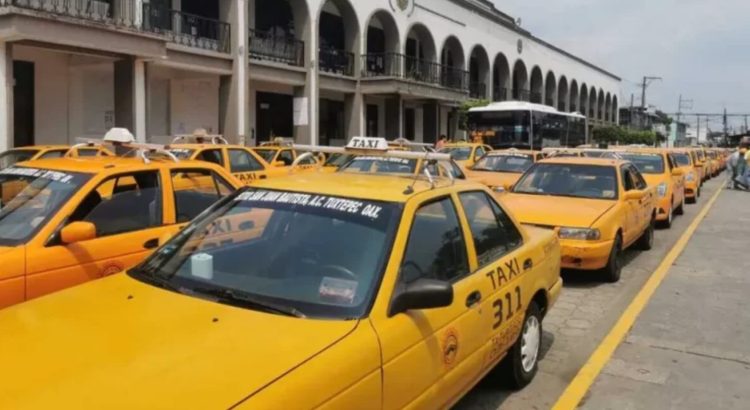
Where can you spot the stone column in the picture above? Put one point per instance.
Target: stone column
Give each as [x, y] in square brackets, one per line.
[394, 121]
[234, 89]
[354, 115]
[313, 85]
[6, 96]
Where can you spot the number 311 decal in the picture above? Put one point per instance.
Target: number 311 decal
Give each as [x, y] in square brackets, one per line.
[508, 306]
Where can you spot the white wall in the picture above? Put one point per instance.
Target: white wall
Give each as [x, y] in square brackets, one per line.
[194, 104]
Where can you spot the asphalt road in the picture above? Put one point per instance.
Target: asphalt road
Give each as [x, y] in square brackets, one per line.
[584, 314]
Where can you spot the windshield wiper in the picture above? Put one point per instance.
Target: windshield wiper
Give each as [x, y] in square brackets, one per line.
[150, 276]
[236, 297]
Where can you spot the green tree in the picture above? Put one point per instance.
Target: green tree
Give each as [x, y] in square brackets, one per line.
[463, 113]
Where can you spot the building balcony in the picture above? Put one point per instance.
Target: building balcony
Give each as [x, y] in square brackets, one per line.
[499, 94]
[478, 91]
[124, 13]
[521, 95]
[336, 61]
[266, 46]
[188, 29]
[382, 65]
[395, 65]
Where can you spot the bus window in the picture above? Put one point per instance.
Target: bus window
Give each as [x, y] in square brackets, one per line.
[501, 129]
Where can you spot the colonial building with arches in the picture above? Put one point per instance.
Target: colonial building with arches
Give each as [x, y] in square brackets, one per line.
[319, 71]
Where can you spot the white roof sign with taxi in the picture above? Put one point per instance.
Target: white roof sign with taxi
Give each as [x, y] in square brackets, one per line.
[375, 147]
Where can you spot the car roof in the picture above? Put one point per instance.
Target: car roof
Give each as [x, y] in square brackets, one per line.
[584, 161]
[377, 187]
[41, 147]
[95, 165]
[511, 152]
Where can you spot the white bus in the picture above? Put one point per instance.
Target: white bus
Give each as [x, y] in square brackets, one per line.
[523, 125]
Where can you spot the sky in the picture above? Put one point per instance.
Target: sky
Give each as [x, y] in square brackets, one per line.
[700, 47]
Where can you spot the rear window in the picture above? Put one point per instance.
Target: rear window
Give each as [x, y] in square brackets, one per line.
[646, 163]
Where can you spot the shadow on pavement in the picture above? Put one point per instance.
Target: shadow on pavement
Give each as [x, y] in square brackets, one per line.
[586, 279]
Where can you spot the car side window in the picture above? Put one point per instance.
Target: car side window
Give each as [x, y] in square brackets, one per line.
[670, 162]
[479, 153]
[123, 203]
[242, 161]
[286, 157]
[213, 156]
[640, 183]
[436, 247]
[196, 190]
[493, 231]
[627, 180]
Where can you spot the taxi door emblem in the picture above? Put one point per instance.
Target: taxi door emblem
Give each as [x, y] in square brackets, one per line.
[450, 347]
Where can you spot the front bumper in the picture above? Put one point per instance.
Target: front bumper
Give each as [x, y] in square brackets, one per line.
[662, 209]
[691, 189]
[585, 255]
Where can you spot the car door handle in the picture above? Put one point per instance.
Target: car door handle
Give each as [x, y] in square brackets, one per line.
[263, 177]
[151, 244]
[528, 264]
[473, 299]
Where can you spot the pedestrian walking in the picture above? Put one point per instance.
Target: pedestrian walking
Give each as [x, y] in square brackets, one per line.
[732, 162]
[742, 176]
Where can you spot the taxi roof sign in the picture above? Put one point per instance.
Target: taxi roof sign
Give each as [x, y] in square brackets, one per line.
[368, 143]
[119, 135]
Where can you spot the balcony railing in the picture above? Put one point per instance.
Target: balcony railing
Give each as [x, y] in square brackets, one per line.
[188, 29]
[521, 95]
[478, 91]
[536, 98]
[500, 94]
[414, 69]
[336, 61]
[267, 46]
[382, 65]
[124, 13]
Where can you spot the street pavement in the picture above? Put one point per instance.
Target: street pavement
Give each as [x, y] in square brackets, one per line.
[690, 348]
[582, 317]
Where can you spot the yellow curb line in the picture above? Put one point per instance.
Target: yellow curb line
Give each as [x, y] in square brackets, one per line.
[577, 388]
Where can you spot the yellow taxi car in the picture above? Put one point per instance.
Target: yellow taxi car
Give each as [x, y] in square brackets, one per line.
[501, 169]
[280, 153]
[466, 154]
[600, 207]
[66, 221]
[357, 291]
[21, 154]
[242, 162]
[684, 160]
[702, 163]
[659, 169]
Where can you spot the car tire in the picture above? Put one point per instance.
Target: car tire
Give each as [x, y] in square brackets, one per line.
[670, 217]
[646, 241]
[612, 272]
[698, 194]
[522, 362]
[680, 209]
[691, 200]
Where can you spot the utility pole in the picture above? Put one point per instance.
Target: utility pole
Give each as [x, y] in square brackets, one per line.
[632, 119]
[646, 82]
[698, 129]
[726, 128]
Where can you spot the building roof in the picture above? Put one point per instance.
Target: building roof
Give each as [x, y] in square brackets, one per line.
[522, 106]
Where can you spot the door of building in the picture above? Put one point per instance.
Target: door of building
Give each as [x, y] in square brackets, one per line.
[409, 124]
[275, 116]
[372, 120]
[23, 103]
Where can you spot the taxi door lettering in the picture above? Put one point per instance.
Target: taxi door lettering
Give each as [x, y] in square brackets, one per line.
[499, 277]
[246, 177]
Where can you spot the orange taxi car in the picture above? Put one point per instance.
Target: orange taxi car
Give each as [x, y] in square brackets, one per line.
[280, 153]
[68, 221]
[660, 171]
[501, 169]
[21, 154]
[684, 160]
[465, 154]
[600, 207]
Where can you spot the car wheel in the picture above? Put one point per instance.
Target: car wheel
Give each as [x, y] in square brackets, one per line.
[670, 217]
[681, 209]
[613, 270]
[698, 194]
[646, 241]
[522, 362]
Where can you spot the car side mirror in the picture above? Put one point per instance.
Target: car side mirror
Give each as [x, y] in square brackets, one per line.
[420, 295]
[78, 232]
[677, 172]
[634, 195]
[278, 164]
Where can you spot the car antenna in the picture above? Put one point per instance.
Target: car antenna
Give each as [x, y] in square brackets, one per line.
[410, 189]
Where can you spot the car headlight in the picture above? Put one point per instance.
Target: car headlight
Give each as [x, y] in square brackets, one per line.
[690, 177]
[662, 189]
[583, 234]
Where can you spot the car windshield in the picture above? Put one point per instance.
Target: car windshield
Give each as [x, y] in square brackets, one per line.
[182, 153]
[646, 163]
[457, 153]
[517, 164]
[570, 180]
[682, 159]
[282, 252]
[13, 157]
[267, 154]
[337, 160]
[380, 165]
[29, 197]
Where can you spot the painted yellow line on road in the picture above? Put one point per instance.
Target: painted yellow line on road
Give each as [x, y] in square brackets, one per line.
[577, 389]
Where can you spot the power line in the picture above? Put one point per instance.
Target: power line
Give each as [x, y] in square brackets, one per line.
[644, 85]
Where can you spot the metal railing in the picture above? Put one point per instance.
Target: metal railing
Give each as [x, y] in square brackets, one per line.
[499, 94]
[124, 13]
[536, 98]
[336, 61]
[188, 29]
[382, 65]
[478, 91]
[521, 95]
[267, 46]
[454, 78]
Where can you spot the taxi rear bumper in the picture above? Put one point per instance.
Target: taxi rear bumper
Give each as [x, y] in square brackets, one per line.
[553, 293]
[585, 255]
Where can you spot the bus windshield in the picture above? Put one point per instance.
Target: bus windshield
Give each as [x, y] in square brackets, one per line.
[502, 129]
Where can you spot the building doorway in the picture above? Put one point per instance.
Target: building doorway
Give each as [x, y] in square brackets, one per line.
[332, 122]
[410, 124]
[372, 120]
[275, 116]
[23, 103]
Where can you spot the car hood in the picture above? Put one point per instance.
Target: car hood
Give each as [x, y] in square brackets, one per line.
[555, 210]
[119, 343]
[494, 179]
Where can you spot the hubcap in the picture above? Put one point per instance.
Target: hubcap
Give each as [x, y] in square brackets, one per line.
[530, 343]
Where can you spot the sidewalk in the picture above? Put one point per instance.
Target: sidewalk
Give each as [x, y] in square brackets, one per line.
[690, 347]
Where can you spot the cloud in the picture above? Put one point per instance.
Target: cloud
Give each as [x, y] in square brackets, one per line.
[698, 46]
